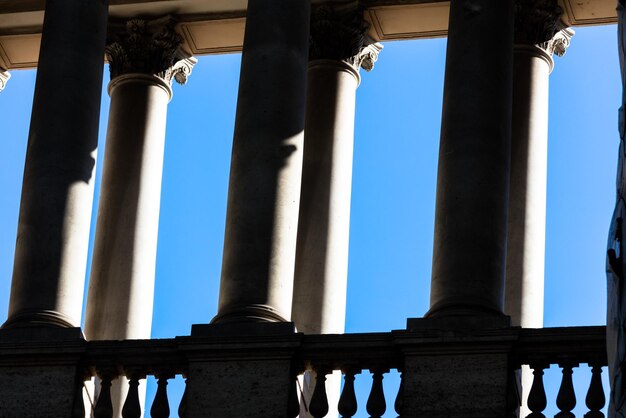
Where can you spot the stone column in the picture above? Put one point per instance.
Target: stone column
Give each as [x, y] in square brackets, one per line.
[266, 167]
[538, 35]
[57, 191]
[4, 78]
[143, 59]
[473, 179]
[338, 50]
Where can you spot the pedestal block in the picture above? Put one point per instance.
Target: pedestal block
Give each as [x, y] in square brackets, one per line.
[38, 372]
[468, 386]
[471, 378]
[234, 376]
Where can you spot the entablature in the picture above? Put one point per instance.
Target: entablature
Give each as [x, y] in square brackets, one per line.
[217, 26]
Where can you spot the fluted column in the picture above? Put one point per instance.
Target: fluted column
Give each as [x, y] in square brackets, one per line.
[266, 166]
[4, 78]
[538, 35]
[144, 57]
[57, 191]
[473, 178]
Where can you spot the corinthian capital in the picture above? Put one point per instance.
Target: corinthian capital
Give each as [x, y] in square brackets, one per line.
[341, 34]
[149, 47]
[536, 21]
[4, 77]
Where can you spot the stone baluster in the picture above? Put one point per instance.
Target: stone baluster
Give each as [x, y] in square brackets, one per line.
[293, 405]
[537, 400]
[595, 398]
[160, 406]
[399, 403]
[78, 407]
[4, 78]
[348, 404]
[104, 405]
[318, 406]
[566, 398]
[132, 405]
[144, 58]
[376, 405]
[57, 190]
[182, 407]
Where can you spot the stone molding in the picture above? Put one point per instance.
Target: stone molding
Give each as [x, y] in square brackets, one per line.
[150, 47]
[340, 33]
[4, 78]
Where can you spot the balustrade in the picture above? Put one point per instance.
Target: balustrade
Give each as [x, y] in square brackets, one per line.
[132, 360]
[368, 356]
[569, 348]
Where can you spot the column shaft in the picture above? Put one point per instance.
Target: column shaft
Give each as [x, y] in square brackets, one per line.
[527, 201]
[266, 166]
[121, 286]
[319, 298]
[57, 192]
[473, 178]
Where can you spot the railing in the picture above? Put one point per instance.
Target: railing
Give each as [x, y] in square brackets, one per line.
[134, 360]
[351, 353]
[568, 348]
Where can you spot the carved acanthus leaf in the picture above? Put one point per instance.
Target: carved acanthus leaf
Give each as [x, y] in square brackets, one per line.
[536, 21]
[559, 42]
[149, 47]
[4, 77]
[367, 57]
[341, 34]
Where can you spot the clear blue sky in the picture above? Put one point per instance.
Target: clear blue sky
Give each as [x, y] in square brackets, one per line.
[395, 166]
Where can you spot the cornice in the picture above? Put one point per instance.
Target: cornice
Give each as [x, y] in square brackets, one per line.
[150, 47]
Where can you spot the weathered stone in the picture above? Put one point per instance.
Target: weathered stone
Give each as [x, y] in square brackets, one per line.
[456, 386]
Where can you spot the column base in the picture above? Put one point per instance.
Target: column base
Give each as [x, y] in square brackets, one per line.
[457, 306]
[253, 313]
[38, 319]
[34, 333]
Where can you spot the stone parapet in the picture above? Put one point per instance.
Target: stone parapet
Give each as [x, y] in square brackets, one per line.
[445, 372]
